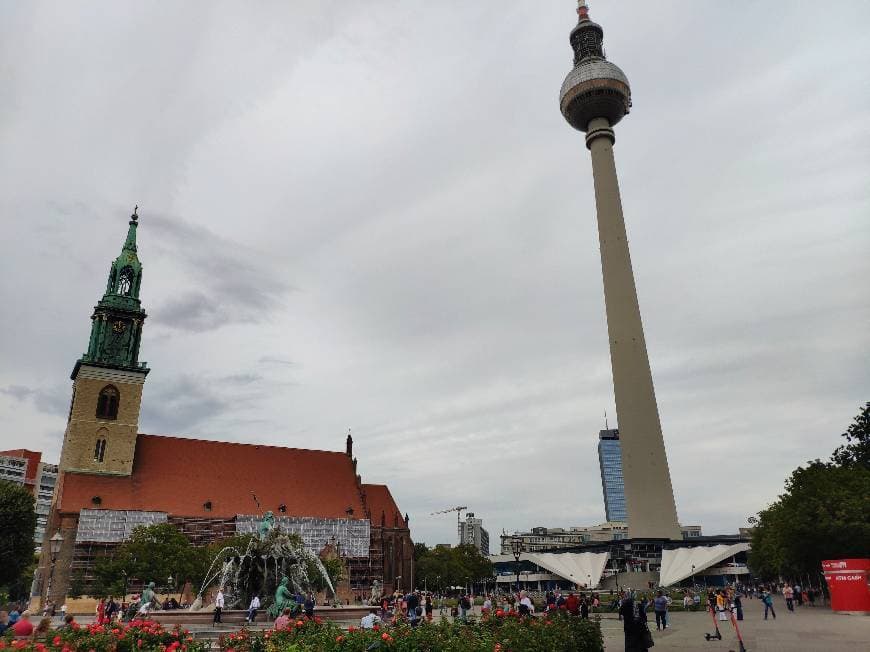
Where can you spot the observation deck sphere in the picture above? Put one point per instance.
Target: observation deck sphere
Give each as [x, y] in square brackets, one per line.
[595, 88]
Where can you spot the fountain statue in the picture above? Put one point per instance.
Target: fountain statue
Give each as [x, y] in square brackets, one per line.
[274, 565]
[284, 599]
[377, 592]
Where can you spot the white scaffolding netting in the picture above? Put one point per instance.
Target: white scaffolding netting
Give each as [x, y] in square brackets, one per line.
[351, 535]
[113, 526]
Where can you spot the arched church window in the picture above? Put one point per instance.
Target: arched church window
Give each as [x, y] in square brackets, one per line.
[125, 282]
[100, 450]
[107, 403]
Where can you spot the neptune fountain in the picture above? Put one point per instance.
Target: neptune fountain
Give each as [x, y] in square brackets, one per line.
[274, 566]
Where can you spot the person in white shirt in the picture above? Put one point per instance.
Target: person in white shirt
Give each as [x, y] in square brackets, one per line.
[369, 621]
[218, 605]
[527, 608]
[252, 609]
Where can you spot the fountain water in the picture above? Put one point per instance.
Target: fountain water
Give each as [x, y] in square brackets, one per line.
[269, 557]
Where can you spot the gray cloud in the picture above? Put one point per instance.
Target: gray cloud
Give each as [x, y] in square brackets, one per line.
[372, 215]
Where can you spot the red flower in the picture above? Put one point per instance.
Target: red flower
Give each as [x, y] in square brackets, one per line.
[299, 623]
[40, 647]
[55, 640]
[499, 612]
[139, 643]
[339, 639]
[351, 629]
[385, 636]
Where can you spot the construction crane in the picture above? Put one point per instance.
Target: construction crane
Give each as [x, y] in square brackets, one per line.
[458, 511]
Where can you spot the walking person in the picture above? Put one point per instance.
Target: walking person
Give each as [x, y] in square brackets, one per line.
[767, 601]
[788, 594]
[637, 635]
[218, 606]
[660, 604]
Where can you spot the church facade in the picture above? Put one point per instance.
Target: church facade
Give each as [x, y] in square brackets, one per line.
[112, 478]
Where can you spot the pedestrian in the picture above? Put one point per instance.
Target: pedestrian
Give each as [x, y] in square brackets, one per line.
[637, 635]
[42, 628]
[811, 596]
[283, 621]
[414, 611]
[767, 601]
[526, 608]
[253, 608]
[309, 605]
[798, 595]
[788, 594]
[430, 607]
[218, 605]
[687, 601]
[371, 620]
[69, 622]
[738, 605]
[660, 605]
[584, 608]
[572, 604]
[23, 626]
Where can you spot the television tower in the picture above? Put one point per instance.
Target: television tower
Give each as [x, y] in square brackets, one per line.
[595, 96]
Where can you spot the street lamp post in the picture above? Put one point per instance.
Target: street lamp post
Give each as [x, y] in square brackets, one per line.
[517, 549]
[693, 577]
[54, 545]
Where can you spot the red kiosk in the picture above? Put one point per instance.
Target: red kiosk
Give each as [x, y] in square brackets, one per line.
[848, 584]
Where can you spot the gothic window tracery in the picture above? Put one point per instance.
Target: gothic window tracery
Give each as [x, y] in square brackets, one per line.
[100, 450]
[107, 403]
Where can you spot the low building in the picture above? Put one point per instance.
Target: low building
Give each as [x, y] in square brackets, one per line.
[541, 539]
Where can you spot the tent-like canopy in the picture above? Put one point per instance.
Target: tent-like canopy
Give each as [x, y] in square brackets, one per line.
[577, 567]
[681, 563]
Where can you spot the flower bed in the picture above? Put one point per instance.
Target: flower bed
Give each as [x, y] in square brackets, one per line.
[136, 636]
[502, 633]
[506, 633]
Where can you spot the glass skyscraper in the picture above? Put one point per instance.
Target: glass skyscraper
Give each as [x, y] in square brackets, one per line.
[610, 461]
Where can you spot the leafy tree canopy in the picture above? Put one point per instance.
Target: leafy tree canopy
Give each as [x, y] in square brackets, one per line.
[17, 524]
[442, 567]
[824, 512]
[856, 450]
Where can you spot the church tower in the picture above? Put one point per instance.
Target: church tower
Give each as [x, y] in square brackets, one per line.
[107, 380]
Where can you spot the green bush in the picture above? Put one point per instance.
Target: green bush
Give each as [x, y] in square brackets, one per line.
[496, 634]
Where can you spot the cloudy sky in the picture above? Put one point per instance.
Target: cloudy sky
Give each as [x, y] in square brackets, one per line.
[371, 215]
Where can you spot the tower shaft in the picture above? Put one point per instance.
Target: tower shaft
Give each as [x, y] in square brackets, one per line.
[649, 495]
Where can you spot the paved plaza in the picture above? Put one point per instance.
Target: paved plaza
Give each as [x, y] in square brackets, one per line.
[805, 630]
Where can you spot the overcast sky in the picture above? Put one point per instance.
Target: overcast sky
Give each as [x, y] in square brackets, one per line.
[371, 215]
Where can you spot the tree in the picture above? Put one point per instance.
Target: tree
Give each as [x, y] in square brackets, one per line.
[824, 512]
[17, 525]
[152, 554]
[856, 450]
[443, 567]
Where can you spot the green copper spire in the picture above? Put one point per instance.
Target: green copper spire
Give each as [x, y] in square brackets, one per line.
[116, 329]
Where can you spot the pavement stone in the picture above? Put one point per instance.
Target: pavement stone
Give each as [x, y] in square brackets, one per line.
[807, 629]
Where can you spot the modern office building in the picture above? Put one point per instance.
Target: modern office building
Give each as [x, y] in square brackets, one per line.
[472, 532]
[26, 468]
[612, 485]
[594, 97]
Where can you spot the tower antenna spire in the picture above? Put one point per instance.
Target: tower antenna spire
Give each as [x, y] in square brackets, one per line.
[135, 215]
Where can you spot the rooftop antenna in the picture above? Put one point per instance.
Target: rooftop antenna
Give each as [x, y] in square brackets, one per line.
[606, 427]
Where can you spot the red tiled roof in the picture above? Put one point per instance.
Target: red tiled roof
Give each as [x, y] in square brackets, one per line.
[379, 499]
[33, 458]
[177, 476]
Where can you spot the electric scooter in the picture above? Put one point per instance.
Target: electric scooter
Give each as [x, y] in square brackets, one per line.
[718, 635]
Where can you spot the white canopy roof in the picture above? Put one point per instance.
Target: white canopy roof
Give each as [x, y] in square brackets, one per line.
[681, 563]
[577, 567]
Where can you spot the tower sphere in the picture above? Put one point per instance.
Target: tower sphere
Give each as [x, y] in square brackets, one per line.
[595, 88]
